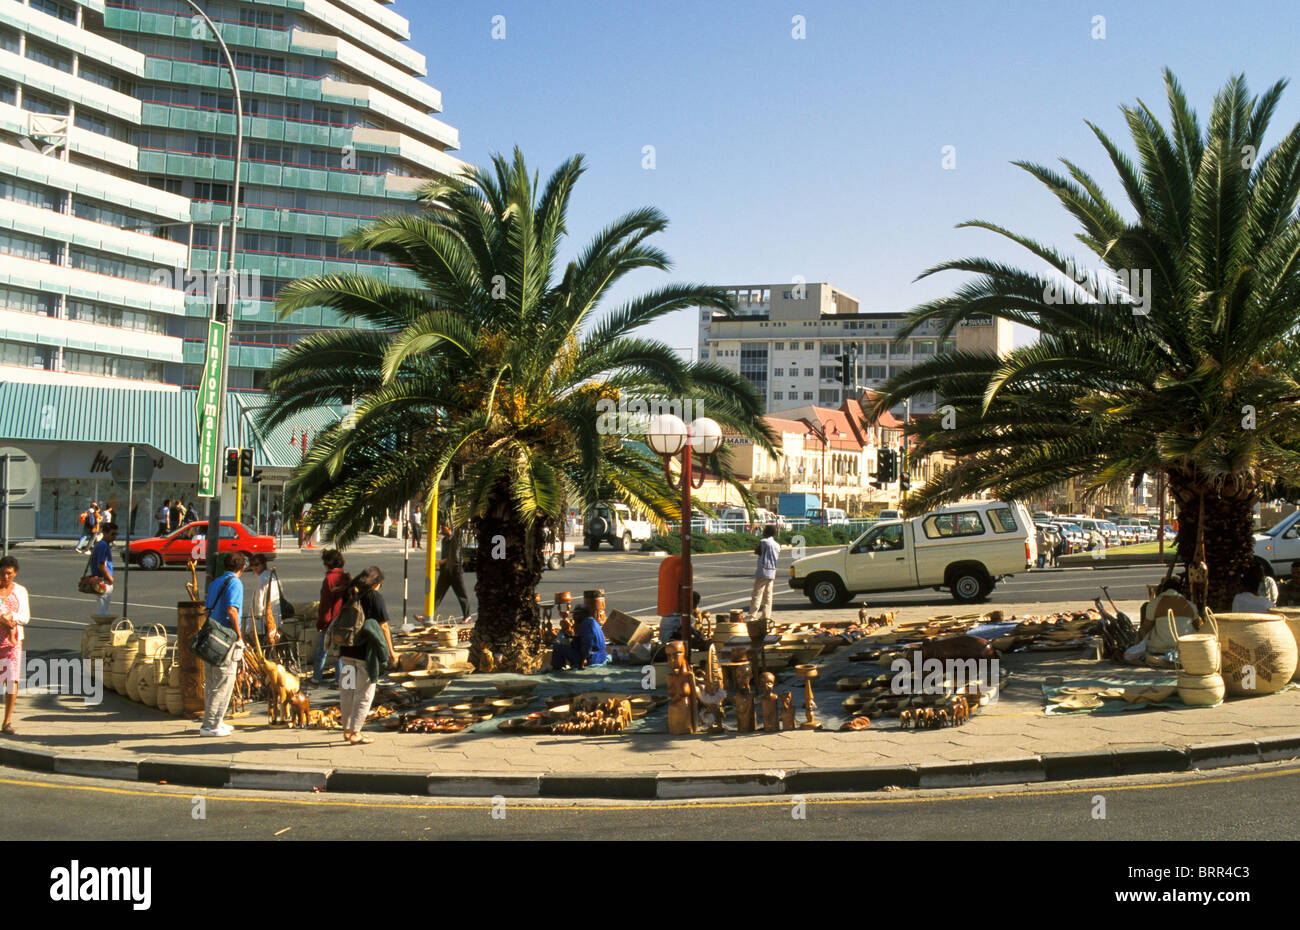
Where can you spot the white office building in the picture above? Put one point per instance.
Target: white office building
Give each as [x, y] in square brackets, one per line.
[785, 338]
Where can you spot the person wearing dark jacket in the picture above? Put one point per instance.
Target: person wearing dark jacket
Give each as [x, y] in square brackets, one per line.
[359, 663]
[451, 572]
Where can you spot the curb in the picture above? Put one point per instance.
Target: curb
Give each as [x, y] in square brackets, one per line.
[1011, 770]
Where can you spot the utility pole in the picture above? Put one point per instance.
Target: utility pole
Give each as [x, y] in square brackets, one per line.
[224, 314]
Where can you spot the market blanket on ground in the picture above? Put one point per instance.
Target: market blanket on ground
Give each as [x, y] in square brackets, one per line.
[1111, 706]
[628, 679]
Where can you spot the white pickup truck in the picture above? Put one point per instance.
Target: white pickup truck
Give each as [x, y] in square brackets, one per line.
[965, 547]
[614, 523]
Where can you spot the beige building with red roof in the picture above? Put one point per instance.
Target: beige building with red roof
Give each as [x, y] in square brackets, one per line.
[831, 452]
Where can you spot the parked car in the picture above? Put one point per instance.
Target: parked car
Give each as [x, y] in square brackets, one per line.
[613, 523]
[891, 515]
[1279, 545]
[826, 516]
[190, 543]
[1074, 535]
[965, 547]
[739, 520]
[1108, 530]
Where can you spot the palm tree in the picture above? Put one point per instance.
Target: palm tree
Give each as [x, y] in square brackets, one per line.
[495, 369]
[1188, 370]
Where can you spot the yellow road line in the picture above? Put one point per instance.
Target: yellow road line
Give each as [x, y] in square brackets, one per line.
[649, 804]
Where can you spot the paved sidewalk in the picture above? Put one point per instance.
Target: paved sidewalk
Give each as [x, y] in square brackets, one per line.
[1011, 741]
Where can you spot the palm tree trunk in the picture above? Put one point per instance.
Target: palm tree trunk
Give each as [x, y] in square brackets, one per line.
[1229, 542]
[509, 570]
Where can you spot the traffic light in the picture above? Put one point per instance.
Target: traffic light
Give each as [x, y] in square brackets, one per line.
[886, 466]
[905, 482]
[246, 463]
[232, 462]
[846, 369]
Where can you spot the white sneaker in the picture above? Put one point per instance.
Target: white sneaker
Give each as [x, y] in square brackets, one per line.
[222, 730]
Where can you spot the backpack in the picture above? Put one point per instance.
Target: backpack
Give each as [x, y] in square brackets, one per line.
[345, 629]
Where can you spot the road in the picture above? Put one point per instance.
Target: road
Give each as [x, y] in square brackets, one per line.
[628, 579]
[1227, 804]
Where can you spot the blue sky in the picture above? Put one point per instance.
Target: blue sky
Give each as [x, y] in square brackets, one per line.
[822, 156]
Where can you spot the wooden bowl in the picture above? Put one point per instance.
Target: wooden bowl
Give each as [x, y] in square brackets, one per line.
[514, 687]
[424, 685]
[459, 670]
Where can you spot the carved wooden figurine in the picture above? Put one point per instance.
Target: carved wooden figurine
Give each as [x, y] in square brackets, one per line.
[681, 690]
[770, 702]
[787, 711]
[745, 722]
[808, 673]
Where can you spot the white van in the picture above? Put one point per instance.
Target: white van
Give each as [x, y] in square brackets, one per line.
[965, 547]
[826, 516]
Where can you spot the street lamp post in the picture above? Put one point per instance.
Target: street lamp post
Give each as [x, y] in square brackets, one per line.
[821, 432]
[224, 315]
[667, 435]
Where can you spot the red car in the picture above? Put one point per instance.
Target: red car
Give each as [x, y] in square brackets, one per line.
[189, 543]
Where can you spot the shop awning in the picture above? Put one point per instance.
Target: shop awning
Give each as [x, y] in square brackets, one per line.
[162, 420]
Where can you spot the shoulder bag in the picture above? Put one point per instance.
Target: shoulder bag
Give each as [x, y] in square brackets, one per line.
[214, 640]
[286, 606]
[91, 583]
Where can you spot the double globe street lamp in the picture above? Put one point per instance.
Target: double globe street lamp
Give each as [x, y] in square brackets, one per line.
[668, 436]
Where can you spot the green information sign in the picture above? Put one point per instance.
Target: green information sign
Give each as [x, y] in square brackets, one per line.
[205, 411]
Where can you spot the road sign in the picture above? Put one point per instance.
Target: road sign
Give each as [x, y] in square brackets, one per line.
[205, 410]
[121, 468]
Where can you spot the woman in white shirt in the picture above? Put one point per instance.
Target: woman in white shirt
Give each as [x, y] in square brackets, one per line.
[1257, 594]
[15, 613]
[268, 586]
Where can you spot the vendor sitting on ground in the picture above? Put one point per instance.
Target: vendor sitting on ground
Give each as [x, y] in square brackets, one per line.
[588, 646]
[1258, 592]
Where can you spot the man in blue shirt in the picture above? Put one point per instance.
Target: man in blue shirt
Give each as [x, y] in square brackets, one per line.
[769, 551]
[588, 647]
[101, 566]
[225, 603]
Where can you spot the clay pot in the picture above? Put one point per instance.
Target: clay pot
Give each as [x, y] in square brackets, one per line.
[1262, 643]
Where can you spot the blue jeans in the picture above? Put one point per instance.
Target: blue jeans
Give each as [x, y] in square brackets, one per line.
[318, 660]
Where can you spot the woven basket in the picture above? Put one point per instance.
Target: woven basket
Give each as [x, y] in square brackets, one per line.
[93, 639]
[154, 643]
[123, 659]
[1292, 617]
[1198, 653]
[148, 678]
[119, 635]
[175, 703]
[1200, 690]
[1259, 646]
[165, 666]
[131, 682]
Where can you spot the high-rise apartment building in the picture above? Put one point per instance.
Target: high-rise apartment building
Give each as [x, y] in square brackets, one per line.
[785, 339]
[116, 164]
